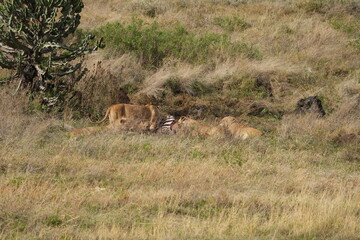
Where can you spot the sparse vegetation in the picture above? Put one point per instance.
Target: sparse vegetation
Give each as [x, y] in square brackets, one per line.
[207, 59]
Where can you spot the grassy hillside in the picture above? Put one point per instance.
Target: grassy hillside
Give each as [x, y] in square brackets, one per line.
[200, 53]
[251, 59]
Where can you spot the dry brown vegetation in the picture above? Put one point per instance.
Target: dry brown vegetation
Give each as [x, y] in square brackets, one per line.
[300, 180]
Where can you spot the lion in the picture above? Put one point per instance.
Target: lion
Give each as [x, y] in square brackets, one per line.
[129, 113]
[85, 131]
[140, 126]
[188, 126]
[237, 130]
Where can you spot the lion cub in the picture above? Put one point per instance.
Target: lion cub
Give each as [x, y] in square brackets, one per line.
[237, 130]
[85, 131]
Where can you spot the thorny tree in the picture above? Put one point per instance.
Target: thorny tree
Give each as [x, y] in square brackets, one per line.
[32, 42]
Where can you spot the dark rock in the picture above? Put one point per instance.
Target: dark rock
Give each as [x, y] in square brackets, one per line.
[310, 105]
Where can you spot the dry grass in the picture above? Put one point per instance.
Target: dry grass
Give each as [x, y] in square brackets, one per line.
[292, 184]
[299, 181]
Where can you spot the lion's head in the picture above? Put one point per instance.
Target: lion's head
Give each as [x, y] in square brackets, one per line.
[227, 121]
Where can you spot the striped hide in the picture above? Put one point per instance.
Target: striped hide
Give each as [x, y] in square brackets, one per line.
[166, 125]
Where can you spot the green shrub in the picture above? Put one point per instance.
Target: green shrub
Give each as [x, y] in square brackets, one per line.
[246, 87]
[152, 44]
[232, 23]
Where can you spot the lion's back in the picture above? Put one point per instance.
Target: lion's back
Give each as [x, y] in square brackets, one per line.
[244, 132]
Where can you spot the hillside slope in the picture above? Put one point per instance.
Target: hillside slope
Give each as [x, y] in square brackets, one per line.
[301, 48]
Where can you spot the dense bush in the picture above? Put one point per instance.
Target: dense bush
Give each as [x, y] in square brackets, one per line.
[152, 44]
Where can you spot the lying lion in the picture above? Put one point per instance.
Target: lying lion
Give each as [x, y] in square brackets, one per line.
[85, 131]
[129, 113]
[237, 130]
[188, 126]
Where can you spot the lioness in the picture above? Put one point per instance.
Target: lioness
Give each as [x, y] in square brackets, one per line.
[85, 131]
[130, 113]
[237, 130]
[140, 126]
[188, 126]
